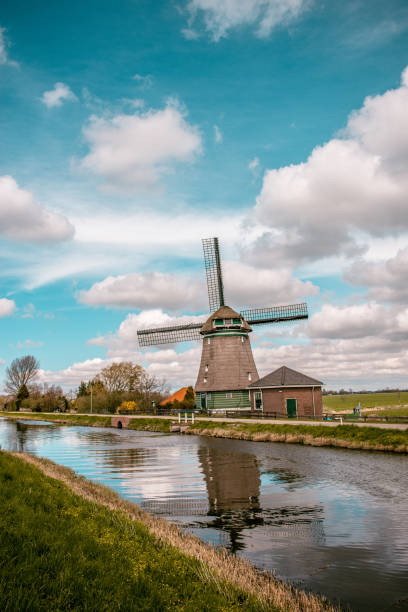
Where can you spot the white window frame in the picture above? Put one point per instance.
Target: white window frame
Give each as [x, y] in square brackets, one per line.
[228, 395]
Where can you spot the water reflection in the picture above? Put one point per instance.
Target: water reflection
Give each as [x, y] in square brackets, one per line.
[331, 521]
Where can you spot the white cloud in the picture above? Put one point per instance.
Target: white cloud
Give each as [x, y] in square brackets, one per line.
[364, 346]
[254, 167]
[386, 280]
[354, 321]
[178, 369]
[4, 44]
[220, 16]
[190, 33]
[354, 184]
[217, 134]
[149, 290]
[125, 337]
[144, 81]
[244, 286]
[29, 344]
[248, 286]
[134, 151]
[7, 307]
[58, 95]
[21, 218]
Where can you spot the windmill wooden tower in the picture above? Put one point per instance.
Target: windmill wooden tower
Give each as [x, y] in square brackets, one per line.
[227, 365]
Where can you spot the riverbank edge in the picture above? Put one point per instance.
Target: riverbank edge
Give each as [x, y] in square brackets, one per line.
[219, 566]
[347, 436]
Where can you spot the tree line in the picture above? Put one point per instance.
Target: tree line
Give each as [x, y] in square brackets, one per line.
[122, 385]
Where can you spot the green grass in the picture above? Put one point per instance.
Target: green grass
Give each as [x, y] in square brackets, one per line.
[69, 419]
[340, 403]
[150, 425]
[398, 411]
[60, 552]
[374, 436]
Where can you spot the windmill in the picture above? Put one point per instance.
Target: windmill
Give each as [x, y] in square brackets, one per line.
[227, 365]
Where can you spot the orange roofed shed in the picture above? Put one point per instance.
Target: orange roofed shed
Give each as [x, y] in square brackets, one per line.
[178, 395]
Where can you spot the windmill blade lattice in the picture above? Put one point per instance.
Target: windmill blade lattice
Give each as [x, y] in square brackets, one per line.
[169, 335]
[212, 263]
[276, 314]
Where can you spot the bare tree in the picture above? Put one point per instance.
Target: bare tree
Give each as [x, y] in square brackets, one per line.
[22, 371]
[123, 376]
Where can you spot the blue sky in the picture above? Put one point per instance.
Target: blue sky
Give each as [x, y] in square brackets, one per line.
[130, 131]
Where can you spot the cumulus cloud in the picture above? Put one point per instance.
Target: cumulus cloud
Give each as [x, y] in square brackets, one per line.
[178, 369]
[248, 286]
[4, 45]
[134, 151]
[55, 97]
[359, 345]
[355, 183]
[221, 16]
[354, 321]
[7, 307]
[126, 336]
[386, 280]
[21, 218]
[149, 290]
[244, 286]
[369, 363]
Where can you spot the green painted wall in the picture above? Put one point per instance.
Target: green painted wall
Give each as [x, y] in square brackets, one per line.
[217, 400]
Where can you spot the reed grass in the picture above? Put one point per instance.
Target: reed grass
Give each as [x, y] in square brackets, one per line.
[186, 573]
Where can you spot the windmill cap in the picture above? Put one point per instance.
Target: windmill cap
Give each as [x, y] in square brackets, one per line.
[225, 312]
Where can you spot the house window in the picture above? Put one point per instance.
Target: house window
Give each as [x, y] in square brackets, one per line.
[217, 322]
[206, 367]
[249, 376]
[236, 321]
[208, 340]
[242, 339]
[228, 395]
[209, 396]
[228, 321]
[205, 379]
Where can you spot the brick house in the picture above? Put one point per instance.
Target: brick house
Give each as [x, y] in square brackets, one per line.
[287, 392]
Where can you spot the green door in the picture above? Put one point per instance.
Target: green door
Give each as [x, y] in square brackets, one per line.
[203, 401]
[291, 408]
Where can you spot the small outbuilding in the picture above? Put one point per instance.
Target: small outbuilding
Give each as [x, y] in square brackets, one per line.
[286, 392]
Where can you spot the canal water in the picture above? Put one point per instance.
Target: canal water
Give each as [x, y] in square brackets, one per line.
[330, 521]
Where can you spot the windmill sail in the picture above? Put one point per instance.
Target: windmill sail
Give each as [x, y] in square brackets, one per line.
[276, 314]
[212, 263]
[169, 335]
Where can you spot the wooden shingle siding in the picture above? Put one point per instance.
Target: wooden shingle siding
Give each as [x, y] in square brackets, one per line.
[218, 400]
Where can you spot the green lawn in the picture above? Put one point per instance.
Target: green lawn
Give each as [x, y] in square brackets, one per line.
[60, 552]
[341, 403]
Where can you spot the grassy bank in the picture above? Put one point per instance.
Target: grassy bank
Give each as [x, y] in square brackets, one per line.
[67, 419]
[72, 544]
[341, 403]
[341, 436]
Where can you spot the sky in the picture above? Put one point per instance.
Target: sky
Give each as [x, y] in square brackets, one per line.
[131, 130]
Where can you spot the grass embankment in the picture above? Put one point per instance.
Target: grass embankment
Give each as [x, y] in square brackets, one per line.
[67, 419]
[343, 403]
[70, 544]
[343, 436]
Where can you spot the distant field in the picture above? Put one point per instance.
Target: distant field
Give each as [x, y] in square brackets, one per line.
[341, 403]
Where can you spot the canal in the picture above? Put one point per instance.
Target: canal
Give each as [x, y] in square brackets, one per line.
[330, 521]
